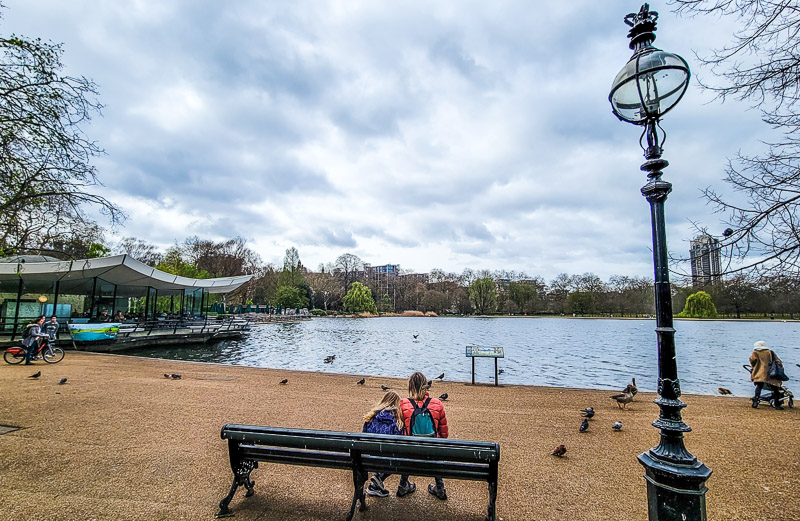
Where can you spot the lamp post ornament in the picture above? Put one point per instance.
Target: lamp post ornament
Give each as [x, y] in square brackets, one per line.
[648, 86]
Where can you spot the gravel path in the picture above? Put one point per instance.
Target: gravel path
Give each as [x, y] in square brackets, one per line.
[119, 441]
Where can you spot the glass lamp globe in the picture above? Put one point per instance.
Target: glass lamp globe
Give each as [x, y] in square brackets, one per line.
[648, 86]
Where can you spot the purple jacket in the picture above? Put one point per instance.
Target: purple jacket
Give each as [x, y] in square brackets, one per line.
[382, 423]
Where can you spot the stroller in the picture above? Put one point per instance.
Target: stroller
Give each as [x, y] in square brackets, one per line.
[767, 395]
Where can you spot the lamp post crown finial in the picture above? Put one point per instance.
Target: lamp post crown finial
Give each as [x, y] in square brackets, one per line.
[643, 27]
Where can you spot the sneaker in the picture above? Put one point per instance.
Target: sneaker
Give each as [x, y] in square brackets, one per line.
[372, 490]
[755, 403]
[404, 490]
[376, 481]
[440, 493]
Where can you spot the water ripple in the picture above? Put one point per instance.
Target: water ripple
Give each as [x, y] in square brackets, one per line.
[602, 354]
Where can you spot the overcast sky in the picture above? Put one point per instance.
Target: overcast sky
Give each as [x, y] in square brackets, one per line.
[440, 134]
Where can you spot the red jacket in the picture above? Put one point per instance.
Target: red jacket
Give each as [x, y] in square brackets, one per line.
[437, 413]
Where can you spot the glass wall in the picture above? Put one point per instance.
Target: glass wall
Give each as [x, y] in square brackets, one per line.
[9, 291]
[104, 297]
[193, 302]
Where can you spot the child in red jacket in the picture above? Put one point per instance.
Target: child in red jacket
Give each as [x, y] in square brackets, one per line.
[423, 416]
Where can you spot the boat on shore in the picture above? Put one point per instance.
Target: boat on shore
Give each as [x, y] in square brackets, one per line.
[93, 333]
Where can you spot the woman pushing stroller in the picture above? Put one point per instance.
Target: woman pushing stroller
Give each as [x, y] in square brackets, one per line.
[761, 359]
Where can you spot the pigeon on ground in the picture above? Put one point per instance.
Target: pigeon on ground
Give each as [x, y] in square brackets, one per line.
[584, 425]
[361, 382]
[443, 397]
[631, 388]
[430, 382]
[62, 381]
[166, 375]
[559, 451]
[385, 388]
[284, 381]
[617, 426]
[587, 412]
[622, 399]
[440, 377]
[415, 336]
[723, 391]
[37, 374]
[175, 376]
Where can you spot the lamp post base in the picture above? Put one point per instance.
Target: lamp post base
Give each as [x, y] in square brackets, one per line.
[675, 492]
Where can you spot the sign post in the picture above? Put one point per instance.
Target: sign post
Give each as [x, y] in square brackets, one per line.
[486, 352]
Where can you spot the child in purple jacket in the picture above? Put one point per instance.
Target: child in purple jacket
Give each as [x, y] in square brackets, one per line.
[384, 418]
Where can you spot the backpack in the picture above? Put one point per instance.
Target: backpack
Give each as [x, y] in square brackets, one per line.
[27, 333]
[421, 422]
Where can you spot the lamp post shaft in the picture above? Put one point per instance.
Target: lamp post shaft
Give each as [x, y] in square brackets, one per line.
[675, 478]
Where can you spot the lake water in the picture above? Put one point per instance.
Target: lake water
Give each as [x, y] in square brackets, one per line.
[563, 352]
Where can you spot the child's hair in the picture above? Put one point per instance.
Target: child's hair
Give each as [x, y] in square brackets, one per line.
[417, 386]
[391, 401]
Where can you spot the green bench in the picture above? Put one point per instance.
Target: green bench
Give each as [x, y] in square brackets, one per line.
[360, 453]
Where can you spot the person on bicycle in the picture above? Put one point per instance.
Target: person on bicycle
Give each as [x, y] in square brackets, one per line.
[33, 338]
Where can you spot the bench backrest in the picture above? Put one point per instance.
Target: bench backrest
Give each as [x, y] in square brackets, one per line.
[463, 459]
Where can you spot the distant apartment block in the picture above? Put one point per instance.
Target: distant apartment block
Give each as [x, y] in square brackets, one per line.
[379, 277]
[388, 270]
[704, 254]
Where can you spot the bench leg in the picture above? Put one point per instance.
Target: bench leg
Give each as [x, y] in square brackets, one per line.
[490, 515]
[359, 479]
[240, 478]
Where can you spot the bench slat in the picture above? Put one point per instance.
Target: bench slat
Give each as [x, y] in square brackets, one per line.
[293, 457]
[398, 446]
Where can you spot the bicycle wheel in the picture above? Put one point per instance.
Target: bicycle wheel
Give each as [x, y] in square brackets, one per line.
[53, 355]
[15, 357]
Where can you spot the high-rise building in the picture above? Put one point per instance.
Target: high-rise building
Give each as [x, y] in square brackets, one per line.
[704, 254]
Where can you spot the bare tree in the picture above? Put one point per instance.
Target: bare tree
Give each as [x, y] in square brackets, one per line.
[140, 250]
[348, 267]
[46, 173]
[761, 65]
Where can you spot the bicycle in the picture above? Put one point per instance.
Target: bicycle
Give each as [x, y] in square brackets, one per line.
[48, 353]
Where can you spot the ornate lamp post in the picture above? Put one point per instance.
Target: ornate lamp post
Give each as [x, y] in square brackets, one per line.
[647, 87]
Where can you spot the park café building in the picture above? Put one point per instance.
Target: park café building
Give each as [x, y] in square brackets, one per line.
[33, 285]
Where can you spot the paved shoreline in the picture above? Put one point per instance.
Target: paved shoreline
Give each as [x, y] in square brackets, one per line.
[119, 441]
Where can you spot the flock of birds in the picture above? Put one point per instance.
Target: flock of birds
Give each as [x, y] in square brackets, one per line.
[622, 399]
[37, 374]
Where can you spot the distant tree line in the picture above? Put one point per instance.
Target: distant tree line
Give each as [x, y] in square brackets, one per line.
[348, 285]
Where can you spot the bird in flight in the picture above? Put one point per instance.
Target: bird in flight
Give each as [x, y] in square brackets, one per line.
[415, 336]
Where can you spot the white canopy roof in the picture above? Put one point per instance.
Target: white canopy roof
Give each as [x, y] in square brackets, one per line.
[121, 270]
